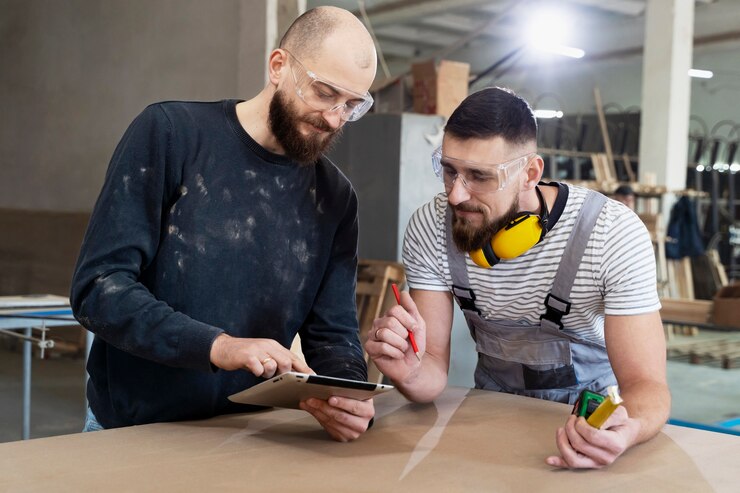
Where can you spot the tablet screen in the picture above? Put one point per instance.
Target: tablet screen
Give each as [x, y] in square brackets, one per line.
[289, 389]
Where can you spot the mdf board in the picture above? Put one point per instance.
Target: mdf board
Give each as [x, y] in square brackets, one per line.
[466, 440]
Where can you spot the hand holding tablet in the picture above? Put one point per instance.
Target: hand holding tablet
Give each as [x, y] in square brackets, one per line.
[289, 389]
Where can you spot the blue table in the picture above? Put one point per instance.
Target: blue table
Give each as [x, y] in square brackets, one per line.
[19, 316]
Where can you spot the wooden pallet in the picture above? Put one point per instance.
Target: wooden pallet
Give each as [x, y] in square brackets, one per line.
[686, 311]
[724, 351]
[373, 297]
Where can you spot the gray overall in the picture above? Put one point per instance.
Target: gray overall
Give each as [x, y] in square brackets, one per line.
[542, 360]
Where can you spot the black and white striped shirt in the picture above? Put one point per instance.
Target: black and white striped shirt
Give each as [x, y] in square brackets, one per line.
[617, 274]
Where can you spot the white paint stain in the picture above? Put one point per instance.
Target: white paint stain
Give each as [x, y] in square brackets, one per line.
[178, 260]
[279, 183]
[109, 286]
[264, 193]
[238, 231]
[233, 229]
[300, 250]
[249, 174]
[126, 181]
[199, 182]
[173, 230]
[183, 190]
[143, 170]
[200, 244]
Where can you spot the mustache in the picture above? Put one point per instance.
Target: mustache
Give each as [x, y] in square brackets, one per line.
[321, 124]
[467, 208]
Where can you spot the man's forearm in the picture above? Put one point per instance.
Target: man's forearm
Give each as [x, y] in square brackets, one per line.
[649, 403]
[426, 382]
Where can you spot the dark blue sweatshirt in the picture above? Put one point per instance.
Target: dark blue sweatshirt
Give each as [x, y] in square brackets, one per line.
[199, 230]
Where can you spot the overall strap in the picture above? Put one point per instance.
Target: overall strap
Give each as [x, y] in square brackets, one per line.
[458, 270]
[557, 302]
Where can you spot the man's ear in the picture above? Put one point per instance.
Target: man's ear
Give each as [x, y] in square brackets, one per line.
[277, 65]
[532, 174]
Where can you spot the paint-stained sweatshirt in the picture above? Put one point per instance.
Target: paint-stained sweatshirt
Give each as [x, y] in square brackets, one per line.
[199, 230]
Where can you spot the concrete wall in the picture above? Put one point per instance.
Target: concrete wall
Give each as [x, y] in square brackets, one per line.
[75, 73]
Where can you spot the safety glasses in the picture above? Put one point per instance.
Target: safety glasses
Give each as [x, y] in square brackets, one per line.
[478, 178]
[322, 95]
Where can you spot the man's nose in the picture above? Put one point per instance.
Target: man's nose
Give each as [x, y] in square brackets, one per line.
[333, 117]
[458, 193]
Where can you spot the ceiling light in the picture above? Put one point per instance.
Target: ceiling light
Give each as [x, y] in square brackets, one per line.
[562, 50]
[701, 74]
[548, 114]
[548, 31]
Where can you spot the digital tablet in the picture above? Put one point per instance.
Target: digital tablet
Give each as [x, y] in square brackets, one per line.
[290, 388]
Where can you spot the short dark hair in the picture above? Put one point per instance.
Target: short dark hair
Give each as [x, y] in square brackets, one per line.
[493, 112]
[624, 190]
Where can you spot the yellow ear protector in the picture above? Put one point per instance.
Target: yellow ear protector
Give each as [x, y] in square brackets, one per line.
[517, 237]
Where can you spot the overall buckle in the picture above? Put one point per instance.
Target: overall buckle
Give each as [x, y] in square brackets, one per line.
[465, 298]
[555, 309]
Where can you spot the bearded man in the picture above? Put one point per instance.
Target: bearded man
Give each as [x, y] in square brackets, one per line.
[222, 231]
[556, 282]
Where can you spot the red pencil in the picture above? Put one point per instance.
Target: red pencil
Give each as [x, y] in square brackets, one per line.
[411, 334]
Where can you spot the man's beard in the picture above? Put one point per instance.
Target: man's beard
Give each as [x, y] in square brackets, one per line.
[284, 121]
[469, 238]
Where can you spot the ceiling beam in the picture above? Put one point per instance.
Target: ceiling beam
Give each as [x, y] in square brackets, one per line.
[633, 8]
[412, 10]
[711, 39]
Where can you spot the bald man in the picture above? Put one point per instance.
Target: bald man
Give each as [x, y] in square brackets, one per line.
[222, 231]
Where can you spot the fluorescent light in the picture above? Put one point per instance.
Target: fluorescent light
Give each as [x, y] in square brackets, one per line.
[548, 114]
[700, 168]
[701, 74]
[548, 30]
[734, 168]
[547, 27]
[561, 50]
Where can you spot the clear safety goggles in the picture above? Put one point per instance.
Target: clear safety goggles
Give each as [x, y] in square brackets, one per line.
[478, 178]
[322, 95]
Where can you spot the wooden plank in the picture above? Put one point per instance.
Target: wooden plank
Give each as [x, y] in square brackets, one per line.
[605, 133]
[686, 310]
[628, 167]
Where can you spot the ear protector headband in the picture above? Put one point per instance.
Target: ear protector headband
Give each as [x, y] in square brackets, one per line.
[517, 237]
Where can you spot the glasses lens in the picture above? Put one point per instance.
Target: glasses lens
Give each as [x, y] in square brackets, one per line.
[322, 96]
[477, 179]
[357, 111]
[437, 163]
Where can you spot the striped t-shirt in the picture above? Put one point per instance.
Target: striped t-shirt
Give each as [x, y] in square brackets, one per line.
[616, 275]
